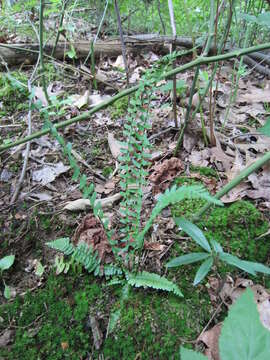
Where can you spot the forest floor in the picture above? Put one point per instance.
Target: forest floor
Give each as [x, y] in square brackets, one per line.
[57, 315]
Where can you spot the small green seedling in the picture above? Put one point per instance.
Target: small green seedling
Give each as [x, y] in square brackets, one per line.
[212, 255]
[5, 263]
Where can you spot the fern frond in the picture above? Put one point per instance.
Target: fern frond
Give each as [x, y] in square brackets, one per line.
[172, 196]
[154, 281]
[112, 270]
[63, 245]
[84, 255]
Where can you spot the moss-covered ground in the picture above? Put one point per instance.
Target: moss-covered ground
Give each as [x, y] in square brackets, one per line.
[53, 322]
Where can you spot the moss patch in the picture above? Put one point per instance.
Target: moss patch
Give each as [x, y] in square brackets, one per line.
[119, 108]
[53, 323]
[13, 91]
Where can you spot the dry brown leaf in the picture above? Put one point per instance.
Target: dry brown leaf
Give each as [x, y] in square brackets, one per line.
[154, 246]
[200, 158]
[254, 95]
[91, 232]
[164, 173]
[6, 338]
[114, 145]
[81, 100]
[49, 173]
[210, 339]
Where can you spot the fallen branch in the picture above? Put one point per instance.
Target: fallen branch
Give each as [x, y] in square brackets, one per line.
[237, 180]
[198, 62]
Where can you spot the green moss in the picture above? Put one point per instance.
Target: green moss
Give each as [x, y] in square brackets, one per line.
[119, 108]
[187, 207]
[13, 91]
[204, 171]
[54, 315]
[107, 171]
[154, 324]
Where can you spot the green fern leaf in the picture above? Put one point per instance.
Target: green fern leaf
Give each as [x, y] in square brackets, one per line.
[84, 255]
[63, 245]
[173, 196]
[154, 281]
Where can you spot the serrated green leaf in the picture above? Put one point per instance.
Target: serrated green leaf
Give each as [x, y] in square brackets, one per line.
[76, 173]
[7, 293]
[242, 335]
[187, 259]
[203, 270]
[194, 232]
[233, 260]
[265, 129]
[258, 267]
[146, 279]
[216, 246]
[187, 354]
[6, 262]
[83, 180]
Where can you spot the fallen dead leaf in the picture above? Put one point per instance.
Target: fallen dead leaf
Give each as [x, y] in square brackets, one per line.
[154, 246]
[210, 339]
[49, 173]
[115, 146]
[6, 338]
[164, 173]
[83, 204]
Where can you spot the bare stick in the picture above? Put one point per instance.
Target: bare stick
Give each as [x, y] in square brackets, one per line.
[124, 50]
[44, 85]
[97, 34]
[28, 146]
[64, 5]
[197, 62]
[170, 5]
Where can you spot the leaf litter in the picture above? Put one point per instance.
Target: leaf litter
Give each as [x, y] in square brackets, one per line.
[234, 150]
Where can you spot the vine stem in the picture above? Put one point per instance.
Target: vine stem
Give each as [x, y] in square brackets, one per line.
[237, 180]
[199, 61]
[44, 85]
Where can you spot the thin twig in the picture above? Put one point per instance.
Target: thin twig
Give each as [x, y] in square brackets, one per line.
[97, 34]
[170, 5]
[64, 5]
[124, 50]
[29, 131]
[44, 85]
[160, 18]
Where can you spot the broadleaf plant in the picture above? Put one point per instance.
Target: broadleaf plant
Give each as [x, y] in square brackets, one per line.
[212, 255]
[6, 263]
[242, 335]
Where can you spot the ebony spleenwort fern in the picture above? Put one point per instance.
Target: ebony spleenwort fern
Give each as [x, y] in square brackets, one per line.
[134, 163]
[134, 159]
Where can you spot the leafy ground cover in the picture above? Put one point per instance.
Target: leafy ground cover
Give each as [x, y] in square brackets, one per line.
[56, 310]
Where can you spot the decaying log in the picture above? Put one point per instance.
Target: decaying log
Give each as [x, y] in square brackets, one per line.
[27, 53]
[15, 54]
